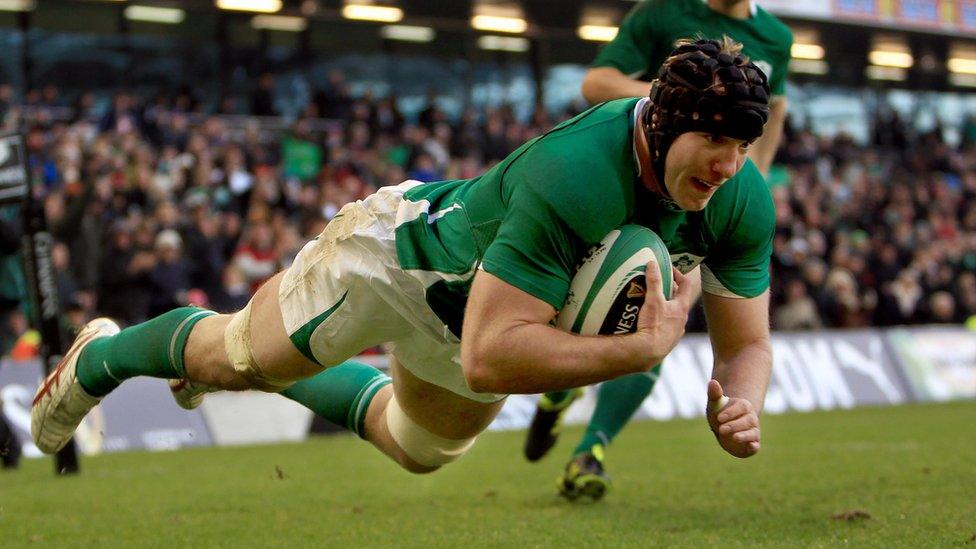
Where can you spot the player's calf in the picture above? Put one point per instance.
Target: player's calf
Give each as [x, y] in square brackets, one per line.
[358, 397]
[342, 394]
[153, 348]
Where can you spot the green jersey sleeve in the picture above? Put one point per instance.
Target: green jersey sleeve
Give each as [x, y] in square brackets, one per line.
[742, 222]
[780, 45]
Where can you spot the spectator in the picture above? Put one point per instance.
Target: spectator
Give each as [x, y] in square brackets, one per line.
[965, 296]
[386, 117]
[169, 277]
[123, 291]
[941, 308]
[67, 284]
[6, 99]
[234, 292]
[431, 115]
[204, 249]
[899, 300]
[262, 102]
[124, 117]
[334, 100]
[799, 312]
[256, 257]
[13, 284]
[845, 307]
[423, 169]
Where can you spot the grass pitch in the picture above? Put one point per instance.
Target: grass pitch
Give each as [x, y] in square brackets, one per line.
[901, 476]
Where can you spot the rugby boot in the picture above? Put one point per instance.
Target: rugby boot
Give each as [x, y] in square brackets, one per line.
[189, 394]
[546, 423]
[60, 402]
[584, 476]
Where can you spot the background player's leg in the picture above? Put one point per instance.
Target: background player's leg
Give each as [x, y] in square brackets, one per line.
[616, 402]
[547, 422]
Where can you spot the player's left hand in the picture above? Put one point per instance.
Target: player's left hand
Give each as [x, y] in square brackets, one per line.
[734, 422]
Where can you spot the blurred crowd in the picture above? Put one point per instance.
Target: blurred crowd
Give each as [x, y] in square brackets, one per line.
[158, 204]
[876, 235]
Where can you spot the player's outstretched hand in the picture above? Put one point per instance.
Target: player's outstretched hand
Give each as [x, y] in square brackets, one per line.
[661, 322]
[734, 422]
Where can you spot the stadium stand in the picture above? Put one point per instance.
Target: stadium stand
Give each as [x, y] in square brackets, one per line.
[173, 205]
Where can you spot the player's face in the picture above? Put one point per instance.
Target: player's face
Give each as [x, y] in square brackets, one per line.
[698, 164]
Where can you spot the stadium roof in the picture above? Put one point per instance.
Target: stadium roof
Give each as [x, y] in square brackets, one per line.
[550, 34]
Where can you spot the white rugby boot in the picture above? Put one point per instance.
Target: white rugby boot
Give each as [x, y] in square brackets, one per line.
[60, 402]
[189, 394]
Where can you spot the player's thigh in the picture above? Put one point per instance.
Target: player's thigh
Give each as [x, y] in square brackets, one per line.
[439, 410]
[271, 346]
[336, 299]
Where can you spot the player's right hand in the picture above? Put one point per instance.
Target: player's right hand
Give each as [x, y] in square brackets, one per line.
[661, 322]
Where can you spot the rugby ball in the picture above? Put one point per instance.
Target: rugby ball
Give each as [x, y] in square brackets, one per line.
[608, 289]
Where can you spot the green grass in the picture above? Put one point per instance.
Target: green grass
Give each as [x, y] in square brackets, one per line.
[912, 468]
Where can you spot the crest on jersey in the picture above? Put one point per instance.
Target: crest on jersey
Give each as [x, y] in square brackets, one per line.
[685, 262]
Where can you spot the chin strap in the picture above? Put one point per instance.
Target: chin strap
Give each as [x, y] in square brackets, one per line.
[643, 153]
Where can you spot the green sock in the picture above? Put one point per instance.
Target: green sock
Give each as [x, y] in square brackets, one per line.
[153, 348]
[340, 394]
[616, 402]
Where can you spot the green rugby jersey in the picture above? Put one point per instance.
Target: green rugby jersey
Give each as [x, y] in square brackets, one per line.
[648, 33]
[529, 219]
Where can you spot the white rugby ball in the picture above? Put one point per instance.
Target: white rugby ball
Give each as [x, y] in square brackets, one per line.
[608, 289]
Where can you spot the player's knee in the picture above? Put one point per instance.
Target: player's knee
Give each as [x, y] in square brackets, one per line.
[238, 344]
[420, 450]
[411, 466]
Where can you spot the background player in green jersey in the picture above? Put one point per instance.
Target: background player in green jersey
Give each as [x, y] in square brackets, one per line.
[501, 249]
[622, 69]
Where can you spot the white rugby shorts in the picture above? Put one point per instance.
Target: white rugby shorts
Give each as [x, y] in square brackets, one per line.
[345, 292]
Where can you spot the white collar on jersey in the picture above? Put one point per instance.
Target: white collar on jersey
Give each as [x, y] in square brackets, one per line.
[638, 108]
[752, 7]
